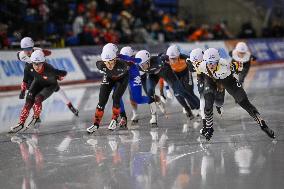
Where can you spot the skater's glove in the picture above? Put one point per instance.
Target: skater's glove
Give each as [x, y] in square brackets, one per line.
[237, 67]
[220, 87]
[22, 95]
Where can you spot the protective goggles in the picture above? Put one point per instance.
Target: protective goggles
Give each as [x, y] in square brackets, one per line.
[144, 65]
[28, 49]
[37, 63]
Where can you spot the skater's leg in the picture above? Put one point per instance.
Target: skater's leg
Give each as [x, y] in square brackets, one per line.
[122, 109]
[161, 87]
[30, 99]
[219, 100]
[234, 88]
[40, 97]
[202, 106]
[151, 83]
[209, 97]
[26, 110]
[245, 104]
[143, 81]
[105, 90]
[120, 87]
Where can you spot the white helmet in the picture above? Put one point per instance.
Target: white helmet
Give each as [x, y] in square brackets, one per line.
[241, 47]
[128, 51]
[110, 46]
[143, 55]
[37, 56]
[173, 51]
[27, 42]
[211, 55]
[196, 55]
[108, 54]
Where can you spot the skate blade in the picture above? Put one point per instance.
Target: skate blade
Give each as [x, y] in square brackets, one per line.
[111, 129]
[16, 131]
[91, 132]
[76, 114]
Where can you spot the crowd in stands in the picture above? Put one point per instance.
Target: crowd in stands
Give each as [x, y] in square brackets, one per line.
[93, 22]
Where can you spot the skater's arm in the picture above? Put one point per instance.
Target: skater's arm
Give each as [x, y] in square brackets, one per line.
[253, 59]
[23, 57]
[190, 65]
[59, 73]
[28, 77]
[100, 65]
[129, 60]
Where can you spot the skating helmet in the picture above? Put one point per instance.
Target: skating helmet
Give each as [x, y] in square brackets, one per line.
[128, 51]
[37, 57]
[173, 51]
[196, 55]
[27, 43]
[108, 54]
[211, 56]
[241, 47]
[145, 58]
[111, 46]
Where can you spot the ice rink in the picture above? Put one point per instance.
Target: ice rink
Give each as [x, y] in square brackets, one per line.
[61, 155]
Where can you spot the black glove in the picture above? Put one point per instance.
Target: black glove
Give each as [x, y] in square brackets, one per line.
[22, 95]
[200, 86]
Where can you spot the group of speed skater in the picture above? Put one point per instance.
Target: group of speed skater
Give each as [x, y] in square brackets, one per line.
[143, 71]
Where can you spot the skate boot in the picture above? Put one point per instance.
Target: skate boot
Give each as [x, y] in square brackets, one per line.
[220, 110]
[33, 122]
[266, 129]
[154, 118]
[73, 110]
[16, 128]
[93, 128]
[112, 125]
[163, 98]
[190, 115]
[160, 104]
[134, 119]
[123, 123]
[209, 133]
[184, 111]
[203, 130]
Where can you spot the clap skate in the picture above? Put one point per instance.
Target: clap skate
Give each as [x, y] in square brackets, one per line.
[92, 128]
[123, 123]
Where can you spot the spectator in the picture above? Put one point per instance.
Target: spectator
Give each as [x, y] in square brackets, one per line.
[247, 31]
[201, 33]
[78, 25]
